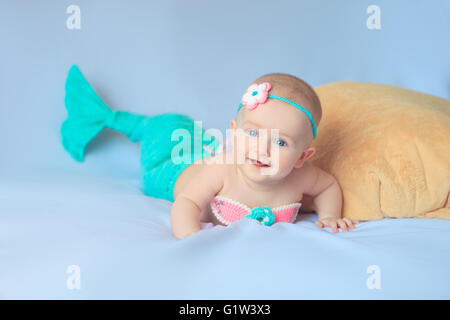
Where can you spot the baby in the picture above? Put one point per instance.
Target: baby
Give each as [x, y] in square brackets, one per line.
[293, 107]
[264, 176]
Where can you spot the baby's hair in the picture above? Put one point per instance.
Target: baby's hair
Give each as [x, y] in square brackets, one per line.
[294, 89]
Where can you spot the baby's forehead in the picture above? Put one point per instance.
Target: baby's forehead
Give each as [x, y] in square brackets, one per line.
[276, 114]
[275, 109]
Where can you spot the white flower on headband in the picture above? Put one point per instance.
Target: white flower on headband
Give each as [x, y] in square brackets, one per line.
[255, 94]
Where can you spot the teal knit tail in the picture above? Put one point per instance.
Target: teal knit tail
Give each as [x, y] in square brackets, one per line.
[88, 115]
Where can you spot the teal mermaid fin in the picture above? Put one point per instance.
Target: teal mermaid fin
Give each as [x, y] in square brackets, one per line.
[88, 115]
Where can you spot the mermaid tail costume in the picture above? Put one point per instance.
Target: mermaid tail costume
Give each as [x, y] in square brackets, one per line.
[88, 115]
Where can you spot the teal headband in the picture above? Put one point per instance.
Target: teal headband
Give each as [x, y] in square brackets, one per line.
[257, 94]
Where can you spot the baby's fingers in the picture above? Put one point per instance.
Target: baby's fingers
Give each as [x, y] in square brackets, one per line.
[342, 224]
[320, 224]
[327, 223]
[349, 223]
[334, 227]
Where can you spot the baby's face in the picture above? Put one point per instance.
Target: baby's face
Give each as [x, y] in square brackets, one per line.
[278, 154]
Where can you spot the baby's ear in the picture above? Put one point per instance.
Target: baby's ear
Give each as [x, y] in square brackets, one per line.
[308, 153]
[233, 124]
[305, 156]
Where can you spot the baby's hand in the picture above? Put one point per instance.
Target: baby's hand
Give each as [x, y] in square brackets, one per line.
[188, 233]
[334, 223]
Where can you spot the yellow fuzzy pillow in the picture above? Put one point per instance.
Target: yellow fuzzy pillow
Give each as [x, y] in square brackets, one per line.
[388, 147]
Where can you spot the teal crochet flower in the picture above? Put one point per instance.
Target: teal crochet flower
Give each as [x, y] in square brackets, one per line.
[262, 214]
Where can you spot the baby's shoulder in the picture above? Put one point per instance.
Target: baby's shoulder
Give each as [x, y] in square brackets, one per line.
[202, 176]
[314, 179]
[214, 165]
[306, 176]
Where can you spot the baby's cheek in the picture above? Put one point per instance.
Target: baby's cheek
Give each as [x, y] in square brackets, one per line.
[281, 159]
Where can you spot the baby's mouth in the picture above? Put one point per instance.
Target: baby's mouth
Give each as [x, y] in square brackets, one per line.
[258, 163]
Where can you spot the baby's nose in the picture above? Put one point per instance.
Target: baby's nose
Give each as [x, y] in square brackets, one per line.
[264, 150]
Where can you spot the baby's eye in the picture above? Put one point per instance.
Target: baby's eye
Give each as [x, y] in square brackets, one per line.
[252, 132]
[280, 142]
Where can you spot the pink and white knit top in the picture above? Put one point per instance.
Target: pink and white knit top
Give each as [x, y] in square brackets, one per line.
[228, 211]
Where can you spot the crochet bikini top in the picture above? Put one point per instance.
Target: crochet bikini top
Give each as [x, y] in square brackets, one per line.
[228, 211]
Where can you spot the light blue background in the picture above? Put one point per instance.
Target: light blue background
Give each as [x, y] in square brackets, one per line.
[196, 57]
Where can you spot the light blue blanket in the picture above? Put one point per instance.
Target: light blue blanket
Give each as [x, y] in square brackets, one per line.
[103, 236]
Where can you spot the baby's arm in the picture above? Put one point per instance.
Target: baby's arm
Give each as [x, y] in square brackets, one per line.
[327, 198]
[190, 202]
